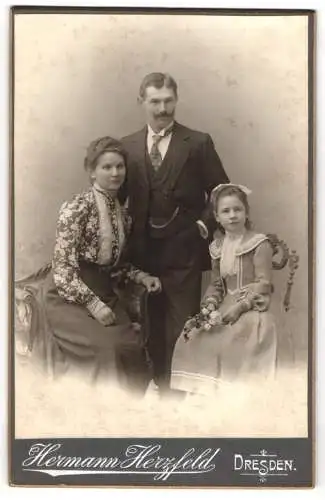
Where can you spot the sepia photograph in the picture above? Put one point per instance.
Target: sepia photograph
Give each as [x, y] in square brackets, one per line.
[162, 221]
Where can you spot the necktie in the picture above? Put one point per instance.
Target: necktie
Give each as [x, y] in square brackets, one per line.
[155, 154]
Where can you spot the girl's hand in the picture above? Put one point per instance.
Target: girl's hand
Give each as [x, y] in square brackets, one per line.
[152, 284]
[188, 329]
[233, 314]
[208, 305]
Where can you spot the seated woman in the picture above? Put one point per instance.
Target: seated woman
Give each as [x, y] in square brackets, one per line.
[233, 336]
[81, 309]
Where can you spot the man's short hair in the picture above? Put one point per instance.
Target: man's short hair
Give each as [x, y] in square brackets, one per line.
[157, 80]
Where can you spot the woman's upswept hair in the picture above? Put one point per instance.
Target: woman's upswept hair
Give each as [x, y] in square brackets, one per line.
[100, 146]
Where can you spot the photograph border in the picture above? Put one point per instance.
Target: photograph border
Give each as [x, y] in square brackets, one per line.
[17, 452]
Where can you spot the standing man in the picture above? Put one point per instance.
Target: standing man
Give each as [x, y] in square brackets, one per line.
[171, 172]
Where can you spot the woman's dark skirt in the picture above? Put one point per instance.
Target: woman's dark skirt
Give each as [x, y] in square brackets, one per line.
[117, 352]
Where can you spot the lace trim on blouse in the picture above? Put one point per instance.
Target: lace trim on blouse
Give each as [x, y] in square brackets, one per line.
[111, 230]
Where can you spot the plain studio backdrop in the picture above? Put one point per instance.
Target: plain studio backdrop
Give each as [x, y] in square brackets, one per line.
[243, 79]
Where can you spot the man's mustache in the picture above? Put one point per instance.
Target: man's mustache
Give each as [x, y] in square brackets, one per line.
[164, 115]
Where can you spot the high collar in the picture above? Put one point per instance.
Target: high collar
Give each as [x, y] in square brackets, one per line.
[104, 191]
[249, 242]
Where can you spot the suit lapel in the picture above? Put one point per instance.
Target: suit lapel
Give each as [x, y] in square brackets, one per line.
[178, 152]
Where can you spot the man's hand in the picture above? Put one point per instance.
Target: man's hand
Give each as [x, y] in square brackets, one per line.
[152, 284]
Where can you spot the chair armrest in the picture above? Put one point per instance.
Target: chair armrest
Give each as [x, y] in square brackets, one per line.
[280, 250]
[25, 321]
[27, 314]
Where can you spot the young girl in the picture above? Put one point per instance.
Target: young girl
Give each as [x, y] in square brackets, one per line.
[234, 335]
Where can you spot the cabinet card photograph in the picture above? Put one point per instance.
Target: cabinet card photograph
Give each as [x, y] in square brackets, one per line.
[162, 246]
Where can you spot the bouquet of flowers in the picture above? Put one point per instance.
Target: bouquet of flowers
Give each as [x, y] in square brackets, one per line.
[208, 317]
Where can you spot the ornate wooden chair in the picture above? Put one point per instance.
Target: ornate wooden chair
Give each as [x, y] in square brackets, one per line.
[283, 256]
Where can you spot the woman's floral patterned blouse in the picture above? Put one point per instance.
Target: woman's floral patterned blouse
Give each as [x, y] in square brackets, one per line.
[91, 227]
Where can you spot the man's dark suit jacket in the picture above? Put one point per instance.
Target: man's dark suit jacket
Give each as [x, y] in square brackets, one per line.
[195, 170]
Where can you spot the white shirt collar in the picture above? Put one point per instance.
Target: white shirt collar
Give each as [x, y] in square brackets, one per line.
[162, 132]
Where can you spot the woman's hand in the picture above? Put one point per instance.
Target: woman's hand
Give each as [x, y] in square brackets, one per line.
[105, 316]
[152, 284]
